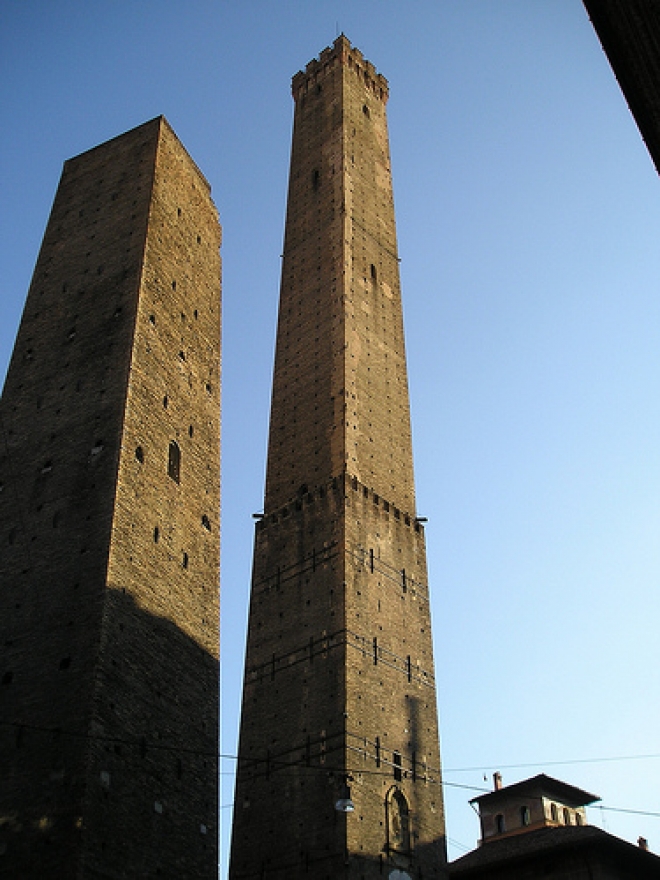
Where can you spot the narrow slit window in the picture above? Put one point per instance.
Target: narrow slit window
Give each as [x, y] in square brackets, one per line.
[174, 462]
[396, 761]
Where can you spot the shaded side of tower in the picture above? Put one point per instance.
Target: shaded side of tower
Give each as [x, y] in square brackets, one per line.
[109, 536]
[339, 683]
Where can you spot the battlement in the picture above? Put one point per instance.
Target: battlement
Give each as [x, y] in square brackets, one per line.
[341, 52]
[340, 484]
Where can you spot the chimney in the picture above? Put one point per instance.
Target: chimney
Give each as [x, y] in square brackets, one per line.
[643, 843]
[497, 781]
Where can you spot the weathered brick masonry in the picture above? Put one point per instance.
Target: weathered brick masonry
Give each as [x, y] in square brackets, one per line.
[339, 677]
[109, 527]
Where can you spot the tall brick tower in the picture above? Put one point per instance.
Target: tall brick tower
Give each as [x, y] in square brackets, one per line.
[339, 685]
[109, 527]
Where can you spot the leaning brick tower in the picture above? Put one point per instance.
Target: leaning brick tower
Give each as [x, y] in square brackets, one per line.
[109, 527]
[339, 690]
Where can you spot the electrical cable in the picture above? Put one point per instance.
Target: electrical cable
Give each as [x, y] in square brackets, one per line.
[151, 746]
[553, 763]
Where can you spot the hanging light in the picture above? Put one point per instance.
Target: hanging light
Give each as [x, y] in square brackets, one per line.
[345, 804]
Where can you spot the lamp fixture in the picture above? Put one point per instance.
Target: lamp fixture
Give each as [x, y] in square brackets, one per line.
[344, 804]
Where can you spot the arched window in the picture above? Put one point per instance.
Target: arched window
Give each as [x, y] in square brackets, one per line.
[567, 816]
[554, 814]
[174, 461]
[525, 818]
[398, 821]
[499, 823]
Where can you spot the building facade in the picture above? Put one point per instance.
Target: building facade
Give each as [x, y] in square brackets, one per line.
[539, 802]
[538, 828]
[339, 764]
[109, 527]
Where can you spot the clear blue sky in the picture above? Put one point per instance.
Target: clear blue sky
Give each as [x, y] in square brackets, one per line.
[528, 217]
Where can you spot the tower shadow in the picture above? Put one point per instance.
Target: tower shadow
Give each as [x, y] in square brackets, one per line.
[113, 774]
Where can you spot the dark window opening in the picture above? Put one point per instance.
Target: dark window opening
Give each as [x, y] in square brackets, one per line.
[396, 760]
[139, 454]
[499, 823]
[206, 523]
[156, 534]
[174, 462]
[525, 818]
[374, 274]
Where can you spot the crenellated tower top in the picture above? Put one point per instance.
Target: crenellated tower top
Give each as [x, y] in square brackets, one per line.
[341, 52]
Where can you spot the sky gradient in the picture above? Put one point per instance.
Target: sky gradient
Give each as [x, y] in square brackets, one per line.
[528, 218]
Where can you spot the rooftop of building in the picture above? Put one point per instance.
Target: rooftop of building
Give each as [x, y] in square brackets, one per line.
[537, 786]
[565, 840]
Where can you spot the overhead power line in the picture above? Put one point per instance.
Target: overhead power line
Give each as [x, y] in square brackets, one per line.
[624, 810]
[445, 783]
[480, 769]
